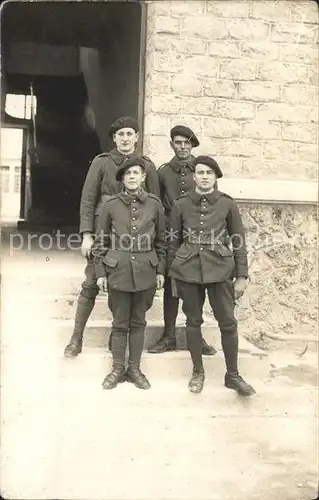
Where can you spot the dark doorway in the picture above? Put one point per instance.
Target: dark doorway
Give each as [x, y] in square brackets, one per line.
[81, 62]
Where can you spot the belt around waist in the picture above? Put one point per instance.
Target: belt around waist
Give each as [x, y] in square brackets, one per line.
[198, 241]
[132, 250]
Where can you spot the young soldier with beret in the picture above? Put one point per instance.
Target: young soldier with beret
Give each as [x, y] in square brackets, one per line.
[130, 260]
[100, 183]
[204, 222]
[176, 178]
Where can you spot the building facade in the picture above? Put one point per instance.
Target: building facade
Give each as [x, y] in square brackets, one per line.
[244, 75]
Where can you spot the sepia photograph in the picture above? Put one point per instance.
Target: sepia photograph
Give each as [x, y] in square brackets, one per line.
[159, 250]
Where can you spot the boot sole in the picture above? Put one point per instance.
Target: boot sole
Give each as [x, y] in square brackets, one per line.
[112, 386]
[196, 386]
[108, 388]
[211, 353]
[241, 393]
[195, 390]
[138, 386]
[73, 355]
[142, 388]
[168, 349]
[130, 381]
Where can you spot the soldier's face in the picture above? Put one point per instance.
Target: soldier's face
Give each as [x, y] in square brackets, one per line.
[182, 147]
[204, 177]
[133, 178]
[125, 140]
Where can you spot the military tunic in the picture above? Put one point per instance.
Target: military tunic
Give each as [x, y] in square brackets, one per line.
[175, 179]
[201, 230]
[130, 248]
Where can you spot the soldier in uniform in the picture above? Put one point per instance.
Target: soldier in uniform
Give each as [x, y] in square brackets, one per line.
[100, 183]
[130, 260]
[176, 178]
[204, 223]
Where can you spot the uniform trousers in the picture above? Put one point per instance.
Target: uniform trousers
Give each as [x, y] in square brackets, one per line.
[170, 308]
[129, 310]
[222, 301]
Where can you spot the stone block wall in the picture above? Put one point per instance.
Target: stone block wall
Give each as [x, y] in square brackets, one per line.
[244, 75]
[282, 296]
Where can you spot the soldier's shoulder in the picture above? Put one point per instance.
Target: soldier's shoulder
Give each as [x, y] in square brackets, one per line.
[226, 195]
[103, 155]
[163, 166]
[154, 197]
[110, 198]
[182, 197]
[100, 157]
[107, 153]
[146, 158]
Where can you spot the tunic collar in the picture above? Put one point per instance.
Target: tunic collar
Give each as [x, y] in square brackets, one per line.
[198, 198]
[118, 157]
[176, 164]
[128, 197]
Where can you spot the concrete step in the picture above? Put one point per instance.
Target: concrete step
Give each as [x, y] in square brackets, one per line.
[172, 365]
[97, 335]
[97, 332]
[47, 348]
[68, 380]
[63, 306]
[45, 280]
[48, 315]
[55, 317]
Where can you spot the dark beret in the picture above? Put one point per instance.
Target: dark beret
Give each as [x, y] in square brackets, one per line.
[123, 122]
[185, 132]
[210, 162]
[130, 162]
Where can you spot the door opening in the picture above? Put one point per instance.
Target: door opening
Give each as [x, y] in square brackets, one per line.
[84, 66]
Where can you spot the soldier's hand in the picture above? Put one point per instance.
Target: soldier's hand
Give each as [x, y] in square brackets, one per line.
[240, 285]
[87, 244]
[159, 281]
[102, 283]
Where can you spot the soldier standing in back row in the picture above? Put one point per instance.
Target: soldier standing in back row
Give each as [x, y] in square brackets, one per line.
[176, 178]
[100, 183]
[207, 251]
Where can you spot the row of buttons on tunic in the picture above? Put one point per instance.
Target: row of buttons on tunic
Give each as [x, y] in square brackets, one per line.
[202, 215]
[134, 228]
[183, 182]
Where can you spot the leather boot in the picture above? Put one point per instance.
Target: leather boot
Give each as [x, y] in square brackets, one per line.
[83, 310]
[207, 350]
[116, 376]
[196, 382]
[138, 378]
[232, 378]
[236, 382]
[164, 344]
[74, 347]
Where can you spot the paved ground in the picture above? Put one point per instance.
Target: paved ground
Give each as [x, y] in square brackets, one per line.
[64, 437]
